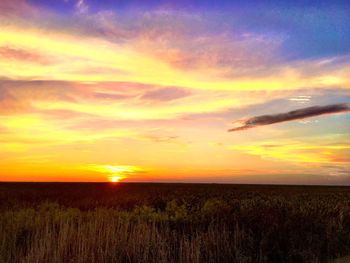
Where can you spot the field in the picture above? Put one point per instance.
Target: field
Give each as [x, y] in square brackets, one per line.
[75, 222]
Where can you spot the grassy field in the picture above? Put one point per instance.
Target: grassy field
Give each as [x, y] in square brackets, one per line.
[67, 222]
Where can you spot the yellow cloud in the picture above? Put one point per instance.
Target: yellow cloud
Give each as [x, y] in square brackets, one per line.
[74, 55]
[298, 152]
[26, 131]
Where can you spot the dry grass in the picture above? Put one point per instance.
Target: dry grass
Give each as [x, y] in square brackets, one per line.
[206, 225]
[52, 234]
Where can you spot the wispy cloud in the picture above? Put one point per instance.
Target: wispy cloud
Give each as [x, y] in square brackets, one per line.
[81, 7]
[166, 94]
[16, 7]
[291, 115]
[21, 55]
[327, 150]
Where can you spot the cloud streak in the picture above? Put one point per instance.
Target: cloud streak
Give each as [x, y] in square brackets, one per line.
[166, 94]
[21, 55]
[290, 116]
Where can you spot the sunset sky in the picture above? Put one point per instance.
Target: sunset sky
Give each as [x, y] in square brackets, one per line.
[109, 90]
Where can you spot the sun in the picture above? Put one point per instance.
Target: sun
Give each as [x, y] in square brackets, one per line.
[115, 179]
[114, 173]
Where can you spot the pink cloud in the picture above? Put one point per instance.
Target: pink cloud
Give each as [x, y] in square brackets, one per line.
[24, 55]
[166, 94]
[64, 114]
[17, 7]
[183, 41]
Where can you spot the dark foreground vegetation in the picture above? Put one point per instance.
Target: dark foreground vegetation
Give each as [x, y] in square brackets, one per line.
[172, 223]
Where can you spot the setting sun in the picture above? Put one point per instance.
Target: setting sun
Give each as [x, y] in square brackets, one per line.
[115, 179]
[114, 173]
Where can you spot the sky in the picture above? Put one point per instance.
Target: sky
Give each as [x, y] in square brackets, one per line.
[175, 91]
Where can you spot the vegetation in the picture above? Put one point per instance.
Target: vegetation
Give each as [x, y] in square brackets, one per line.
[62, 222]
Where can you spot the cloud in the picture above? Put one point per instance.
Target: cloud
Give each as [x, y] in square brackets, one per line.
[327, 150]
[110, 96]
[81, 7]
[16, 7]
[337, 170]
[252, 103]
[166, 94]
[291, 115]
[164, 139]
[123, 50]
[18, 96]
[63, 114]
[3, 129]
[98, 70]
[9, 103]
[17, 54]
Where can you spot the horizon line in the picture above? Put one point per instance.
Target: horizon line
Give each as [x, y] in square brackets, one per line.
[155, 182]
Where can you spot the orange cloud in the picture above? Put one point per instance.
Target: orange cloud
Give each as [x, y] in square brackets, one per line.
[299, 151]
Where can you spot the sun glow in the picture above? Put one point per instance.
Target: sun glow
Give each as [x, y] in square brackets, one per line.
[115, 179]
[115, 173]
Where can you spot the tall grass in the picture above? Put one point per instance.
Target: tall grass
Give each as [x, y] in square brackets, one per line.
[52, 234]
[262, 226]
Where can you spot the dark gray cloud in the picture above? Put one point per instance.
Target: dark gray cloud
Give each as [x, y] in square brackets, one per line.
[291, 115]
[320, 95]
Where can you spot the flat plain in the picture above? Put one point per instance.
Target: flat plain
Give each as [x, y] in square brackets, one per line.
[144, 222]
